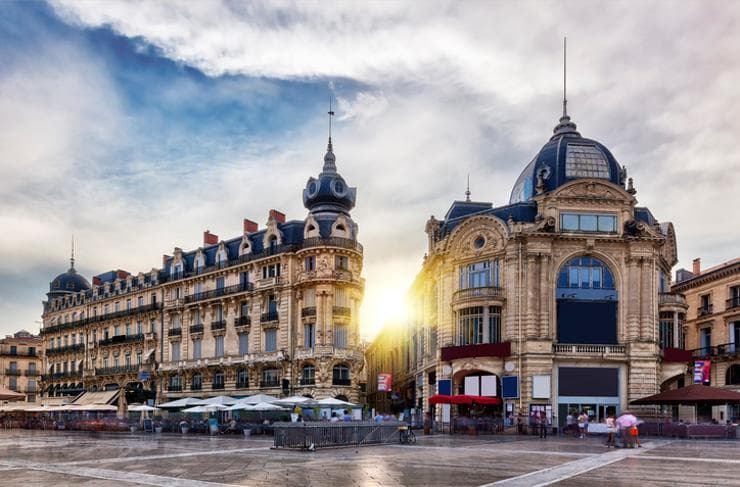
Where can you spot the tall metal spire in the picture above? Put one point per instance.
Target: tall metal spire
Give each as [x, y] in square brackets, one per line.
[565, 71]
[467, 190]
[565, 126]
[329, 158]
[72, 258]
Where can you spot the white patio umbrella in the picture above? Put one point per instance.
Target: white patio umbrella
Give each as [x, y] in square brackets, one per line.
[240, 406]
[258, 398]
[142, 407]
[332, 402]
[182, 403]
[264, 406]
[196, 410]
[222, 400]
[293, 400]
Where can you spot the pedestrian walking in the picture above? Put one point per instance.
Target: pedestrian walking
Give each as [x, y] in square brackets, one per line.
[583, 424]
[611, 429]
[570, 424]
[542, 423]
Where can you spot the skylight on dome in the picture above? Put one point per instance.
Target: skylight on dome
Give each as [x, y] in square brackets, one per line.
[585, 161]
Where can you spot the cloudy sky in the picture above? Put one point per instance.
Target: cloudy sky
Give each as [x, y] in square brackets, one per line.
[137, 125]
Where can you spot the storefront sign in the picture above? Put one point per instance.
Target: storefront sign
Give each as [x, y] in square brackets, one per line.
[444, 387]
[385, 382]
[510, 387]
[702, 371]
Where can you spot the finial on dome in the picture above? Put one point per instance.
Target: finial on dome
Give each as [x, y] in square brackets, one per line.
[467, 190]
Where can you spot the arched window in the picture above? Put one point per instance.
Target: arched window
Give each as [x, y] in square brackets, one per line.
[733, 375]
[586, 302]
[308, 375]
[270, 378]
[340, 376]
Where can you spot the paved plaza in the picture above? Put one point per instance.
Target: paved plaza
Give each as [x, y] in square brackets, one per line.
[32, 458]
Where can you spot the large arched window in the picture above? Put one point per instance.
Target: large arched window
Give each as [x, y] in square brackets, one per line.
[586, 302]
[733, 375]
[308, 375]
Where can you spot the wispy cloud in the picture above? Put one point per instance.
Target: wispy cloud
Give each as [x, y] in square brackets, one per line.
[161, 119]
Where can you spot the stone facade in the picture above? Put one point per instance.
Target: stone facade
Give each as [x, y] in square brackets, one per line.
[20, 364]
[274, 310]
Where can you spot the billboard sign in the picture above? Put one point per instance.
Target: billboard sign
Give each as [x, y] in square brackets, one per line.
[385, 382]
[702, 371]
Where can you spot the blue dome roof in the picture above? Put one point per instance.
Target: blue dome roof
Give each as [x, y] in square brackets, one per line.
[69, 282]
[566, 157]
[329, 193]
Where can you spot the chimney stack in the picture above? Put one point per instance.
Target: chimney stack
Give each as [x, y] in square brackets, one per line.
[278, 216]
[250, 226]
[164, 260]
[97, 281]
[697, 266]
[209, 238]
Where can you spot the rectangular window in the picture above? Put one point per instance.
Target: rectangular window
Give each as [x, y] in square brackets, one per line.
[128, 305]
[139, 357]
[220, 283]
[309, 335]
[340, 336]
[310, 263]
[196, 349]
[270, 340]
[244, 344]
[117, 330]
[175, 355]
[341, 262]
[139, 327]
[470, 326]
[117, 306]
[588, 222]
[140, 301]
[153, 326]
[128, 329]
[494, 324]
[666, 329]
[220, 346]
[128, 360]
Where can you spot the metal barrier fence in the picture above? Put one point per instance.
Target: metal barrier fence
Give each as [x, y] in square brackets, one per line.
[323, 435]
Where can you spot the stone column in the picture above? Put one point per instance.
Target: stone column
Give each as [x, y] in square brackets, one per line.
[676, 331]
[532, 291]
[632, 301]
[544, 301]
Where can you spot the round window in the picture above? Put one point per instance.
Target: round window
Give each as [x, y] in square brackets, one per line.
[479, 242]
[338, 188]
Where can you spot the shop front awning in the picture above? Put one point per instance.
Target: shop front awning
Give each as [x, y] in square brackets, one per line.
[692, 394]
[464, 399]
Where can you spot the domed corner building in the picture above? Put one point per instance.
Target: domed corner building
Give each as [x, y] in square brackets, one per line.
[550, 303]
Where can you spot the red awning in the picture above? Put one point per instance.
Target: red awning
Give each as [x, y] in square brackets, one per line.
[463, 399]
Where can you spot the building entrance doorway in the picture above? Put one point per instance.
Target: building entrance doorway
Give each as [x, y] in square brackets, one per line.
[597, 412]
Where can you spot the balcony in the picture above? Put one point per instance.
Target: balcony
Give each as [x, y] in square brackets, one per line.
[61, 375]
[77, 347]
[196, 386]
[588, 349]
[308, 381]
[343, 243]
[242, 322]
[216, 293]
[308, 311]
[341, 382]
[196, 329]
[174, 332]
[18, 353]
[121, 369]
[269, 282]
[733, 303]
[121, 339]
[270, 383]
[342, 311]
[269, 316]
[217, 386]
[670, 299]
[477, 294]
[32, 373]
[728, 350]
[13, 372]
[705, 310]
[218, 325]
[501, 350]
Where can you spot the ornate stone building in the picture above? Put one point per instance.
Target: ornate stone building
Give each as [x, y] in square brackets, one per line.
[20, 363]
[274, 310]
[711, 329]
[552, 300]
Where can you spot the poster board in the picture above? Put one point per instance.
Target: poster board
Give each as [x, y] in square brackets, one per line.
[488, 385]
[445, 413]
[541, 387]
[510, 387]
[472, 386]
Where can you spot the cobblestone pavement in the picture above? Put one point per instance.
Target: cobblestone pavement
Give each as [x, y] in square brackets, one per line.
[37, 458]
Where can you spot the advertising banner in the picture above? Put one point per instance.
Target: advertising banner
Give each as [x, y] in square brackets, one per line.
[702, 370]
[385, 382]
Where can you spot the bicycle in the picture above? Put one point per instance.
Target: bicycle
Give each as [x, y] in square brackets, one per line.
[406, 435]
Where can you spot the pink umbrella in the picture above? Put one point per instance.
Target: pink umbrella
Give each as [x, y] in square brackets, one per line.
[626, 420]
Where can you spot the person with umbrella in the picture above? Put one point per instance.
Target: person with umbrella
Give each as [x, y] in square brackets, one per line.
[625, 422]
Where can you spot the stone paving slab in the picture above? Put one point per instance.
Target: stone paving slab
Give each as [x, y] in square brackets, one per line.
[78, 458]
